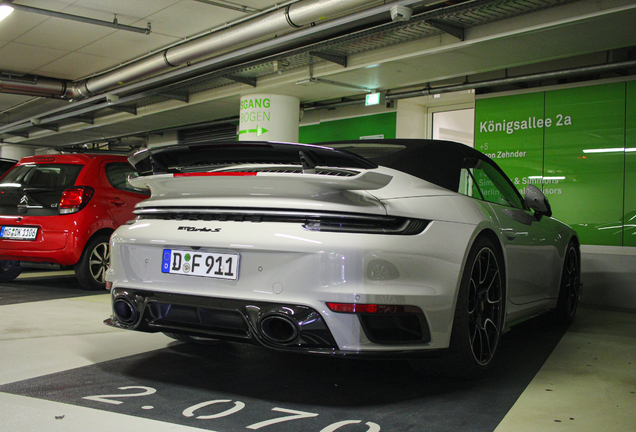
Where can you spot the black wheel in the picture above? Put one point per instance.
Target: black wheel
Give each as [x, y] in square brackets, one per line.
[91, 268]
[193, 339]
[570, 291]
[478, 319]
[9, 270]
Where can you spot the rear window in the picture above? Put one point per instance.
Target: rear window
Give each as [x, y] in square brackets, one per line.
[35, 190]
[45, 176]
[118, 174]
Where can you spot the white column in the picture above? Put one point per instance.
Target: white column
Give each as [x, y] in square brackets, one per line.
[16, 152]
[269, 117]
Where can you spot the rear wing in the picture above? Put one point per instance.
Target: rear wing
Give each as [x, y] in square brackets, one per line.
[259, 183]
[217, 156]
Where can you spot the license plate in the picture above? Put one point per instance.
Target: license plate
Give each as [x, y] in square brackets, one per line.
[18, 233]
[205, 264]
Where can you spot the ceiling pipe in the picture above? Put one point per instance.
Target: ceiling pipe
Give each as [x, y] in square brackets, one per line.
[270, 25]
[34, 85]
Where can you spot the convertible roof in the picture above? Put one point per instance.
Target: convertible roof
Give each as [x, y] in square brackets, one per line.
[437, 161]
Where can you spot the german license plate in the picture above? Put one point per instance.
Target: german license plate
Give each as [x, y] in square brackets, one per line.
[18, 233]
[205, 264]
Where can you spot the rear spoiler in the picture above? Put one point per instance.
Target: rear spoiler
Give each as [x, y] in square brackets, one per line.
[248, 183]
[211, 156]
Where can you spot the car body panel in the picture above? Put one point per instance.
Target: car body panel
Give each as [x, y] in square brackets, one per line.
[285, 261]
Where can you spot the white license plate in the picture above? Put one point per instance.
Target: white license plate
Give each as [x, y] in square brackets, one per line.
[18, 233]
[195, 263]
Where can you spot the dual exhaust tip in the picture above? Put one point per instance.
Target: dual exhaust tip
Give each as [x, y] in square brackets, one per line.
[274, 326]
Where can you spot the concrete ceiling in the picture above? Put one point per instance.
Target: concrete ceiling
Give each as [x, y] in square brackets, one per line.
[561, 32]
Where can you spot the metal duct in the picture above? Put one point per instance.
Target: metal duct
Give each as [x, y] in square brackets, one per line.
[249, 32]
[34, 86]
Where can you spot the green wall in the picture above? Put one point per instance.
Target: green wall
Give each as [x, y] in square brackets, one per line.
[571, 143]
[350, 128]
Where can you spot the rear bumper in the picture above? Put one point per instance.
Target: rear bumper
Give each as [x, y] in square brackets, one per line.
[58, 240]
[272, 325]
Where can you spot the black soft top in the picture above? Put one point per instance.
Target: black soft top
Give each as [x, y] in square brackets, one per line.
[436, 161]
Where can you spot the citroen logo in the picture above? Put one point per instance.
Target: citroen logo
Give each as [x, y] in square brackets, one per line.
[24, 201]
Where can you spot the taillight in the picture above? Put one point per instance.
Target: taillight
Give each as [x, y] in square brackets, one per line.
[373, 308]
[74, 199]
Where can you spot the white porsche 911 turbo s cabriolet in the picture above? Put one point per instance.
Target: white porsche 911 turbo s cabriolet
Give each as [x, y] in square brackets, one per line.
[414, 248]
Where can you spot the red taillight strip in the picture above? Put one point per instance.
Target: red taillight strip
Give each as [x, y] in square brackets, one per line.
[373, 308]
[215, 174]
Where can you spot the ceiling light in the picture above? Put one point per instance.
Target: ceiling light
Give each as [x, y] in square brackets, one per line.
[607, 150]
[5, 11]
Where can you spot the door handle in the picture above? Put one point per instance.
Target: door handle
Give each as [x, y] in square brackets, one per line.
[509, 233]
[117, 201]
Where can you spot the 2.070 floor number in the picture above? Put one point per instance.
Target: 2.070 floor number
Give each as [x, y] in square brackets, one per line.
[235, 406]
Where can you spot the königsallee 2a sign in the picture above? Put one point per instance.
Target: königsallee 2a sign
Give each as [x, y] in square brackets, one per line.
[570, 142]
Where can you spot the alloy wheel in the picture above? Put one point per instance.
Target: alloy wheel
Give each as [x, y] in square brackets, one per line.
[99, 261]
[485, 306]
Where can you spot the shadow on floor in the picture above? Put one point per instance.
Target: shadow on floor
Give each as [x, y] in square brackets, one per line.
[51, 287]
[387, 393]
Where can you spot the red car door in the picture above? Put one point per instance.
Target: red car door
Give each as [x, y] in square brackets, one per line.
[118, 193]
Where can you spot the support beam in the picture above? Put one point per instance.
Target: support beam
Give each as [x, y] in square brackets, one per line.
[83, 119]
[130, 110]
[183, 97]
[334, 58]
[243, 80]
[51, 127]
[451, 29]
[18, 134]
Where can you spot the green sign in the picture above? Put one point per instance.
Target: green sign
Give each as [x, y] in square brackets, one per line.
[577, 145]
[589, 156]
[629, 215]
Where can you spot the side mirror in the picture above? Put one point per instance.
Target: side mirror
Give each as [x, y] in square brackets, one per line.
[537, 202]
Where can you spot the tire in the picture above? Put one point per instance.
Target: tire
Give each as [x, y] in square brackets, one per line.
[478, 319]
[193, 339]
[90, 270]
[9, 270]
[570, 289]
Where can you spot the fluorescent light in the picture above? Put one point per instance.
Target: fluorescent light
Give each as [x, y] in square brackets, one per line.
[607, 150]
[546, 178]
[5, 11]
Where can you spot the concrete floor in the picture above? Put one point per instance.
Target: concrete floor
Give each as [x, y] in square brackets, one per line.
[60, 346]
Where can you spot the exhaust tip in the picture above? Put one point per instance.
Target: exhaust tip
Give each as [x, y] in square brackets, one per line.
[125, 311]
[279, 329]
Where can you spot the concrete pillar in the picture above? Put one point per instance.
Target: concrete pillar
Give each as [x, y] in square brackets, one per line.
[269, 117]
[15, 152]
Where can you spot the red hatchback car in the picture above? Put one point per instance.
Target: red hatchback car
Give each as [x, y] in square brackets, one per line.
[62, 209]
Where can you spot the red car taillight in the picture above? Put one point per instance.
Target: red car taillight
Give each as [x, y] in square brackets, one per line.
[356, 308]
[74, 199]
